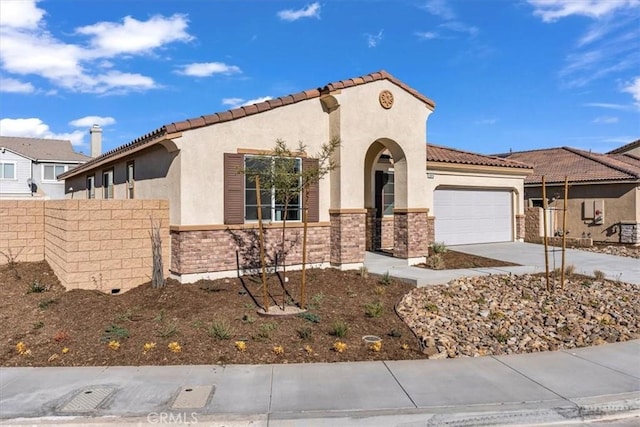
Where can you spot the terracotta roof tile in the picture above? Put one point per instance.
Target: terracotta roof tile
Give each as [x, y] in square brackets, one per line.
[258, 108]
[577, 165]
[237, 113]
[440, 154]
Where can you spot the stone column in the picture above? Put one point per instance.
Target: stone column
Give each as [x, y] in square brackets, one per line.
[371, 230]
[520, 228]
[411, 233]
[348, 236]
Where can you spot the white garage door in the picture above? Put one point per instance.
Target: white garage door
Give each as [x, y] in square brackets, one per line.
[472, 216]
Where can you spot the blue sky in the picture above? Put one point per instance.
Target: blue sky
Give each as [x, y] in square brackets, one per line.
[505, 74]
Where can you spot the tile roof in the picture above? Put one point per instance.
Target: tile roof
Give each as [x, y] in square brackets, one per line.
[249, 110]
[626, 147]
[42, 149]
[577, 165]
[438, 153]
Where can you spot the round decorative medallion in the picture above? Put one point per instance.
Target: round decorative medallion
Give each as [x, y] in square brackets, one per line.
[386, 99]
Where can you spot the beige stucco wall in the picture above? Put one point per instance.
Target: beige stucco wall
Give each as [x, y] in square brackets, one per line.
[621, 203]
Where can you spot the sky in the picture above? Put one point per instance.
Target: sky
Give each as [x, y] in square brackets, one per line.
[504, 74]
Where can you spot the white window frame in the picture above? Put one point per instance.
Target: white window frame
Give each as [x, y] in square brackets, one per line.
[15, 172]
[91, 192]
[54, 165]
[108, 186]
[131, 179]
[272, 201]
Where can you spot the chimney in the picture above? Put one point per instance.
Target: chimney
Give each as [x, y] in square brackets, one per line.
[96, 140]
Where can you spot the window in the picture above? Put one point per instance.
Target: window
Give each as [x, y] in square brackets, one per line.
[388, 193]
[107, 184]
[7, 170]
[272, 200]
[51, 172]
[91, 187]
[130, 180]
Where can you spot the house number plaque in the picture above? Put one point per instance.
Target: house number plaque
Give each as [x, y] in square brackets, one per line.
[386, 99]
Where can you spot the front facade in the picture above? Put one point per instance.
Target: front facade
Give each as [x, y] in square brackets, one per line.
[603, 197]
[381, 124]
[29, 167]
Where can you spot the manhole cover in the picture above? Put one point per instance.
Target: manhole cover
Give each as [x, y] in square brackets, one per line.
[192, 397]
[88, 399]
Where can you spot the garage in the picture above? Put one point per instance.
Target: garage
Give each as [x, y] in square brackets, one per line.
[465, 216]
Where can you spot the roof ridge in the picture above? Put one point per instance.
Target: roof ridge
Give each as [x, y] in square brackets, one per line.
[591, 157]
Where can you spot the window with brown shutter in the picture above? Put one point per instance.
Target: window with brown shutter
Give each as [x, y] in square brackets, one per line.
[314, 192]
[233, 188]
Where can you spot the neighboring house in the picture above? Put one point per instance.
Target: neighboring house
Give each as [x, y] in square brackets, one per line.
[604, 193]
[29, 167]
[381, 178]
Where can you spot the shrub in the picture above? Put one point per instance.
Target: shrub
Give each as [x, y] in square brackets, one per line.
[379, 290]
[435, 262]
[266, 329]
[438, 247]
[394, 333]
[431, 308]
[45, 303]
[168, 329]
[316, 300]
[364, 272]
[386, 279]
[36, 288]
[598, 275]
[220, 330]
[310, 317]
[339, 328]
[374, 309]
[339, 346]
[115, 333]
[569, 270]
[305, 333]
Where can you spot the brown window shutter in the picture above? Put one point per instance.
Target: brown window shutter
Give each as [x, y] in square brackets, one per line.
[233, 188]
[314, 192]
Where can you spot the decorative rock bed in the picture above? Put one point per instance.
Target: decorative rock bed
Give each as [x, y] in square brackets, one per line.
[486, 315]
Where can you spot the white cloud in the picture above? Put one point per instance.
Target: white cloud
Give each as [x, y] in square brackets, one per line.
[240, 102]
[633, 88]
[311, 11]
[88, 121]
[373, 39]
[20, 14]
[36, 128]
[605, 120]
[486, 121]
[426, 35]
[607, 106]
[15, 86]
[440, 8]
[553, 10]
[206, 69]
[28, 48]
[460, 28]
[133, 36]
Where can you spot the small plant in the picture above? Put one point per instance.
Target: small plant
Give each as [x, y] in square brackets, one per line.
[501, 338]
[405, 346]
[196, 324]
[439, 248]
[278, 350]
[45, 303]
[21, 348]
[266, 329]
[435, 262]
[114, 345]
[376, 346]
[36, 288]
[308, 349]
[168, 329]
[174, 347]
[569, 270]
[39, 324]
[587, 283]
[220, 329]
[147, 347]
[61, 336]
[431, 307]
[240, 345]
[12, 262]
[496, 315]
[364, 272]
[339, 347]
[374, 309]
[305, 333]
[339, 329]
[379, 290]
[385, 279]
[316, 301]
[247, 318]
[598, 275]
[482, 300]
[394, 333]
[65, 350]
[310, 317]
[115, 332]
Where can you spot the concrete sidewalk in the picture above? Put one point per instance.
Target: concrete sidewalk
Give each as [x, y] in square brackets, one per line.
[529, 256]
[552, 387]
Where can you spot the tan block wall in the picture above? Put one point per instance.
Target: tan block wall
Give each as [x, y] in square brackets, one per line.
[104, 244]
[208, 251]
[21, 230]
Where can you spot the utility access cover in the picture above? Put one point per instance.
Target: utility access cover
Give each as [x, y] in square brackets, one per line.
[192, 397]
[88, 399]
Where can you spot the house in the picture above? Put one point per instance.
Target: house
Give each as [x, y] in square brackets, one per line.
[382, 178]
[604, 193]
[29, 167]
